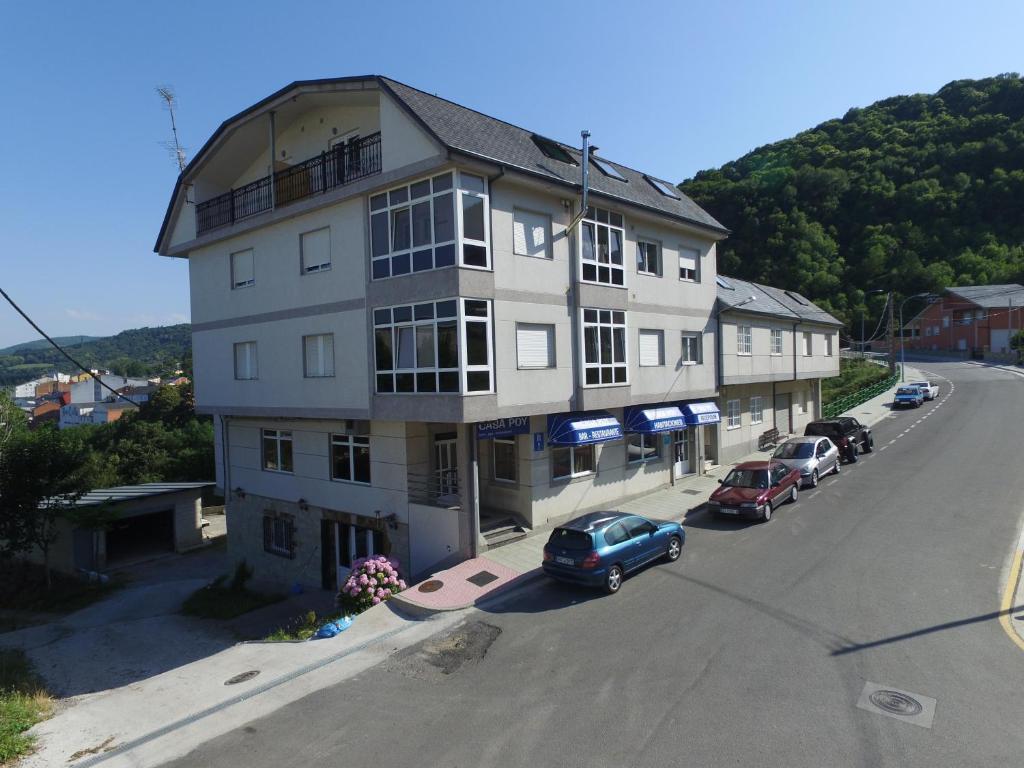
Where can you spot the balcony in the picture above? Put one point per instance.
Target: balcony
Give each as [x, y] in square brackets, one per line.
[329, 170]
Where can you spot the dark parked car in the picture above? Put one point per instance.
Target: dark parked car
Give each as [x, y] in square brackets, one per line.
[911, 397]
[599, 548]
[846, 432]
[754, 489]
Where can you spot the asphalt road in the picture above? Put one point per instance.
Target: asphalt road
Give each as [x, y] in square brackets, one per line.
[754, 649]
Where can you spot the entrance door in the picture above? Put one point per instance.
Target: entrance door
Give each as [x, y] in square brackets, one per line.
[782, 422]
[446, 467]
[680, 453]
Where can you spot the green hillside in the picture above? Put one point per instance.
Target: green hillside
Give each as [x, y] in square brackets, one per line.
[136, 352]
[64, 341]
[912, 193]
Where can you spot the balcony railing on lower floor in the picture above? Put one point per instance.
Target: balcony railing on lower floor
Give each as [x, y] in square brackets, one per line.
[439, 488]
[342, 165]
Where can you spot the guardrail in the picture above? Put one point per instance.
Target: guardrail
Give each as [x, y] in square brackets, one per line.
[843, 404]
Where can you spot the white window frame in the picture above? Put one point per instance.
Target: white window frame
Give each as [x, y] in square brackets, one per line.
[463, 368]
[572, 449]
[310, 269]
[494, 459]
[549, 330]
[352, 442]
[744, 340]
[698, 348]
[734, 415]
[251, 359]
[279, 436]
[829, 340]
[463, 240]
[606, 318]
[236, 284]
[591, 219]
[324, 341]
[757, 409]
[388, 210]
[808, 338]
[684, 273]
[643, 257]
[776, 334]
[546, 226]
[647, 439]
[281, 529]
[659, 336]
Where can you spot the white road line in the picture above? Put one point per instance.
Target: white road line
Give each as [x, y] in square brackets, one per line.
[883, 447]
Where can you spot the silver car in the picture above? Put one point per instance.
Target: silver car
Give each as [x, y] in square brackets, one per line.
[813, 456]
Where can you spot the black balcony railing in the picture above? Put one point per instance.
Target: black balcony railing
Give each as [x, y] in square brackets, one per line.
[342, 165]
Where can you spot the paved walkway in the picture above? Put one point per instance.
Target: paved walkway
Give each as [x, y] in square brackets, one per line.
[523, 557]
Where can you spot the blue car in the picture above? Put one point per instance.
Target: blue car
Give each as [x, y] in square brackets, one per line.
[598, 549]
[911, 397]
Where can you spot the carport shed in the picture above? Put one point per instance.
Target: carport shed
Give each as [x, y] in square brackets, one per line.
[151, 519]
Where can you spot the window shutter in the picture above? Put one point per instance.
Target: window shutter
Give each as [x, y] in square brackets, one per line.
[529, 234]
[650, 347]
[268, 533]
[242, 272]
[535, 345]
[316, 250]
[328, 354]
[313, 356]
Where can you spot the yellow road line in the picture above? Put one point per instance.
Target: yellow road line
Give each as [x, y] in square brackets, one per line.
[1011, 589]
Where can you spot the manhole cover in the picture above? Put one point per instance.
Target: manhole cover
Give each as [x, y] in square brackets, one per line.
[896, 703]
[430, 586]
[242, 677]
[482, 578]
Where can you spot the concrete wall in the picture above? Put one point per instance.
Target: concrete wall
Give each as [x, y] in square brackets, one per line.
[761, 364]
[803, 406]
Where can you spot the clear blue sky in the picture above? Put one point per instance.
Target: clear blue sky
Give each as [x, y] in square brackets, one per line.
[669, 88]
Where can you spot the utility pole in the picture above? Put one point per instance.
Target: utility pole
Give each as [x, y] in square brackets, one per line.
[892, 340]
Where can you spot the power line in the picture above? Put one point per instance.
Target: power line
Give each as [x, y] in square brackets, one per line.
[60, 349]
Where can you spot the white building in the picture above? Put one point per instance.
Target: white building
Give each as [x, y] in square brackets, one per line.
[404, 324]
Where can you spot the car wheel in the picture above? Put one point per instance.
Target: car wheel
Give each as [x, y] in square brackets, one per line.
[613, 581]
[814, 479]
[869, 444]
[675, 549]
[793, 494]
[837, 466]
[766, 513]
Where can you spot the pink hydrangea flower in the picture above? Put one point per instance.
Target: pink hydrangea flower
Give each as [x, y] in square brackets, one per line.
[376, 601]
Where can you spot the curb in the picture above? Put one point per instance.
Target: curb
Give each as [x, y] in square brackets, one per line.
[416, 610]
[1010, 594]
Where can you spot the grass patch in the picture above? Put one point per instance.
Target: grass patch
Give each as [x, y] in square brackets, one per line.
[302, 628]
[23, 703]
[23, 588]
[222, 599]
[854, 375]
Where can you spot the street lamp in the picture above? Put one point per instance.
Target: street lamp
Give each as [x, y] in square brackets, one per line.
[862, 313]
[903, 356]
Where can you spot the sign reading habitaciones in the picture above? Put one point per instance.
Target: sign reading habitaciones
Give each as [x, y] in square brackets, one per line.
[516, 425]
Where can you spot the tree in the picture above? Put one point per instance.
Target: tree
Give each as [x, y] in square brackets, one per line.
[11, 420]
[1017, 343]
[41, 478]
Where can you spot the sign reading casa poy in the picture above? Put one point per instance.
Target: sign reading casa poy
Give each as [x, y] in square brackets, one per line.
[515, 425]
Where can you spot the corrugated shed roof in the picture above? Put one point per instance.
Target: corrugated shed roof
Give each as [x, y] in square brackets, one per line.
[734, 293]
[130, 492]
[991, 295]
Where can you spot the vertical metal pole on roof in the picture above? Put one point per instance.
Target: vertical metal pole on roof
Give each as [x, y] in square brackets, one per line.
[273, 156]
[586, 168]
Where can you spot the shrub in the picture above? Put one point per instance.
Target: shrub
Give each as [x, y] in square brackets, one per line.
[372, 581]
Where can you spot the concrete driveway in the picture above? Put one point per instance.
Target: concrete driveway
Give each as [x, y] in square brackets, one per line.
[131, 635]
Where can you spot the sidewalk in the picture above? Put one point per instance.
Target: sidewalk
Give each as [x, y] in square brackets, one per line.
[518, 563]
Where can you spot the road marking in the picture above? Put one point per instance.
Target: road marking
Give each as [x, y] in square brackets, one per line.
[883, 447]
[891, 442]
[1009, 592]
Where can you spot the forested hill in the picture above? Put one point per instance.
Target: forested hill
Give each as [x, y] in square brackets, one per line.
[912, 193]
[137, 352]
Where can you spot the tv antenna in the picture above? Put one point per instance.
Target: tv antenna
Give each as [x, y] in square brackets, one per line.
[174, 149]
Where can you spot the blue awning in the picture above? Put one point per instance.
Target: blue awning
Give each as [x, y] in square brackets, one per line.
[660, 419]
[583, 428]
[701, 413]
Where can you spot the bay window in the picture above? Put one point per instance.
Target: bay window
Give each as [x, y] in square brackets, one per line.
[604, 347]
[601, 243]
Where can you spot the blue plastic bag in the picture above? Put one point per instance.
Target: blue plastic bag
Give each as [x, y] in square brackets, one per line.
[332, 628]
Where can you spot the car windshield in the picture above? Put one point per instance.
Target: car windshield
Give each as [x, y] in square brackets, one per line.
[747, 478]
[906, 391]
[567, 538]
[794, 451]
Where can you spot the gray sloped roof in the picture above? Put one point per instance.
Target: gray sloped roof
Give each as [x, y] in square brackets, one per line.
[991, 295]
[129, 492]
[734, 293]
[466, 130]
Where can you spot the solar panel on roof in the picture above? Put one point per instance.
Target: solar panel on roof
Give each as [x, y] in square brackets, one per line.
[724, 283]
[552, 149]
[796, 298]
[606, 168]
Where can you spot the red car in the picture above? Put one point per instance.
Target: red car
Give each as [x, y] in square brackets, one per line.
[754, 489]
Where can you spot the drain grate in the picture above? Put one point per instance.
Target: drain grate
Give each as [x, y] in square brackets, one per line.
[241, 678]
[900, 705]
[482, 578]
[692, 491]
[896, 703]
